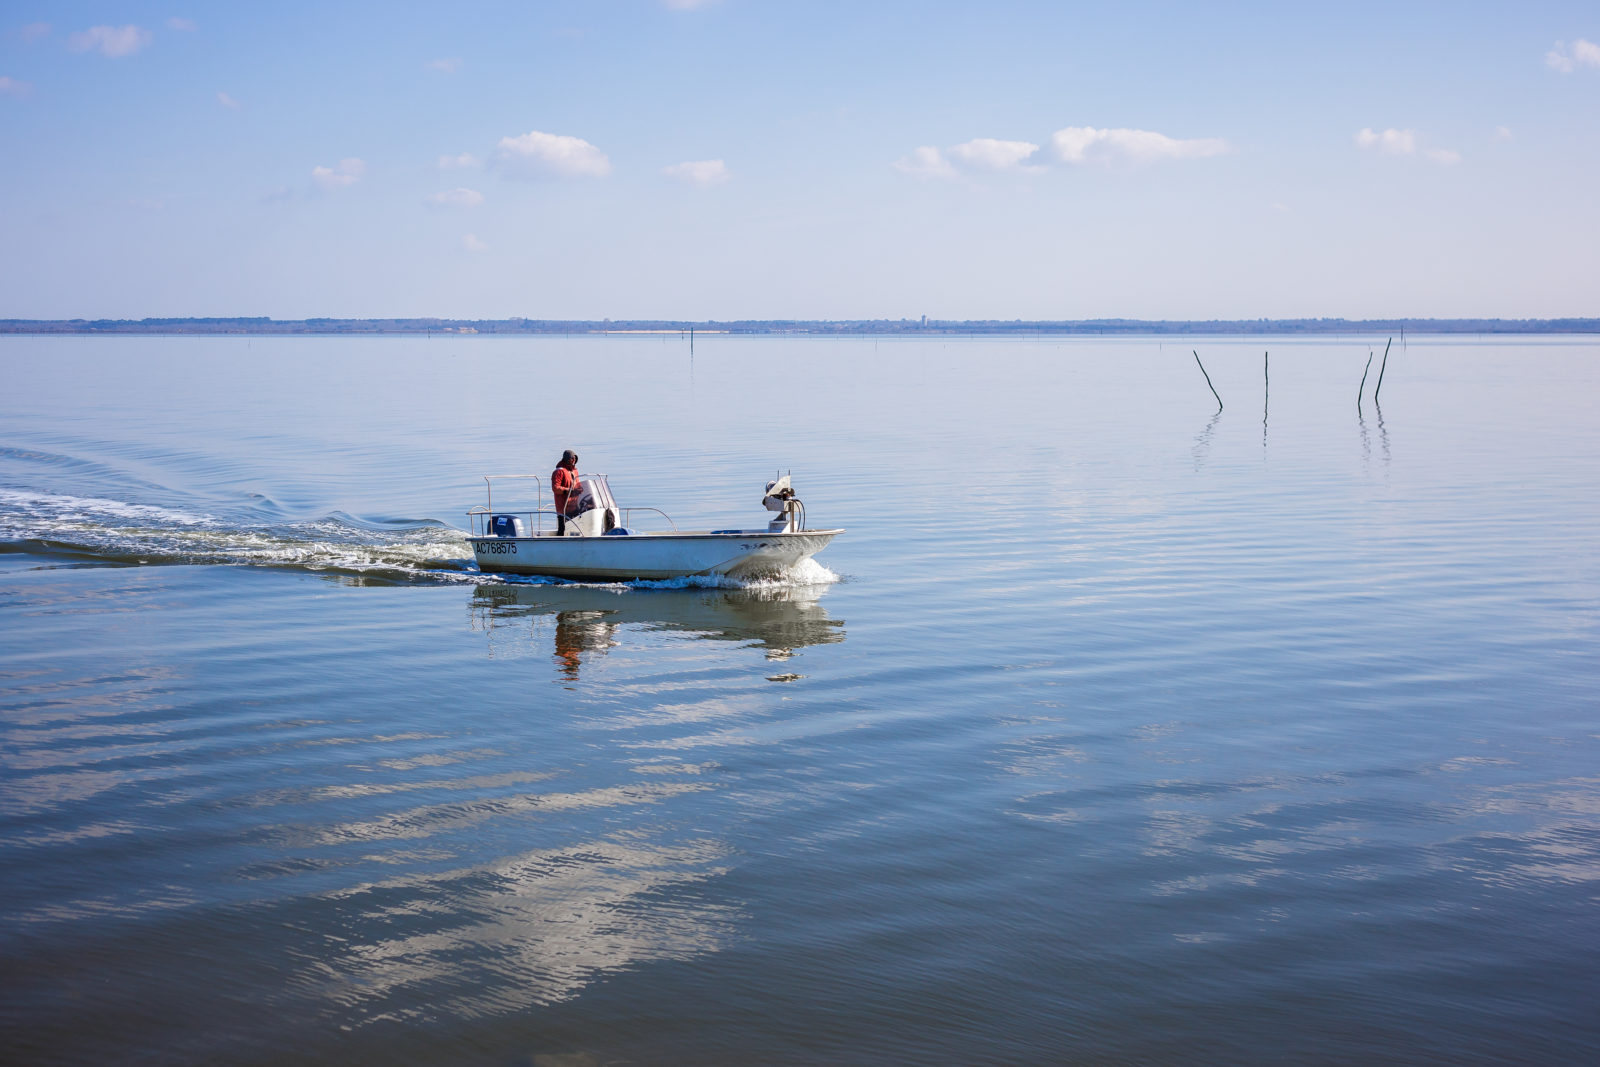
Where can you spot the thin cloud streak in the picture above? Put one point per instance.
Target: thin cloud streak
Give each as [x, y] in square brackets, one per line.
[1086, 144]
[702, 172]
[1073, 145]
[1404, 143]
[1394, 142]
[113, 42]
[346, 174]
[462, 197]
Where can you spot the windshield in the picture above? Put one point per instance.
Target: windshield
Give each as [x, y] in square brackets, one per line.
[593, 492]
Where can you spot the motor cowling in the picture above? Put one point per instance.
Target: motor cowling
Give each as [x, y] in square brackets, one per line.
[780, 498]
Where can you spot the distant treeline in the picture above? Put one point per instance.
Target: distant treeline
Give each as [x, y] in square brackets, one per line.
[912, 327]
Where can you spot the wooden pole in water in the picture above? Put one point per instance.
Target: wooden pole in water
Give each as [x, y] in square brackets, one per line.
[1363, 385]
[1381, 367]
[1208, 381]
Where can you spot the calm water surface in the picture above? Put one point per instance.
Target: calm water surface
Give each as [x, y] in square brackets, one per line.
[1115, 730]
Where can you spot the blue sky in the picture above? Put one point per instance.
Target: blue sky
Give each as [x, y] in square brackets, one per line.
[755, 159]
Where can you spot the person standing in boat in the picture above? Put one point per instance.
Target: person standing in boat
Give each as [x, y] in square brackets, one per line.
[564, 487]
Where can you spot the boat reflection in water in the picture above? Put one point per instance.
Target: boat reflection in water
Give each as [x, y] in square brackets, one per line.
[590, 621]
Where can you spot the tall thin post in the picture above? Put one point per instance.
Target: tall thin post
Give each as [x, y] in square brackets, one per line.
[1266, 394]
[1363, 385]
[1381, 368]
[1208, 381]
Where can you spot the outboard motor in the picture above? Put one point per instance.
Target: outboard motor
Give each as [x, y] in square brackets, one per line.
[780, 498]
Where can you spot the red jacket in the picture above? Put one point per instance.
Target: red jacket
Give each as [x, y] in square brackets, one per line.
[564, 487]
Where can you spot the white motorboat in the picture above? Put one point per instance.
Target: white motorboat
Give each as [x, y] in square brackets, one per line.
[599, 541]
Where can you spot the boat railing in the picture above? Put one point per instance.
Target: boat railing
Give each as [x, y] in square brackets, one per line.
[627, 517]
[478, 518]
[531, 519]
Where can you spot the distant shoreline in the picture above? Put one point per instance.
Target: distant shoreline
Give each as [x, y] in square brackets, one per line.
[825, 327]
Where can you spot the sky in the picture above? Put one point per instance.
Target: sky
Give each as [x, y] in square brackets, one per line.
[738, 159]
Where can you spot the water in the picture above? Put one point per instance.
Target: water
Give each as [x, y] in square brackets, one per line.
[1113, 729]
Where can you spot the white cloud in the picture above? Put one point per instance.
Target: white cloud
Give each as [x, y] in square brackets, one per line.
[34, 30]
[1567, 59]
[926, 162]
[1085, 144]
[11, 87]
[982, 153]
[465, 161]
[445, 66]
[1502, 133]
[182, 25]
[112, 41]
[1404, 143]
[471, 243]
[346, 174]
[456, 198]
[699, 172]
[986, 153]
[1394, 142]
[687, 5]
[535, 153]
[227, 101]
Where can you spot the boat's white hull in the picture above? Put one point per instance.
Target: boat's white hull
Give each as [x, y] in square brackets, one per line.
[734, 554]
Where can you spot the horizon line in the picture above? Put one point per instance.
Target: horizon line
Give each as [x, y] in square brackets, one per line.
[243, 324]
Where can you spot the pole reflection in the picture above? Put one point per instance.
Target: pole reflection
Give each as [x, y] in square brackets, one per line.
[1202, 442]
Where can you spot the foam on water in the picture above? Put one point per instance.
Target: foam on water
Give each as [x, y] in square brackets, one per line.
[98, 529]
[58, 508]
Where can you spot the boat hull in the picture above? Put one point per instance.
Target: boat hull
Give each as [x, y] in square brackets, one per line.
[651, 556]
